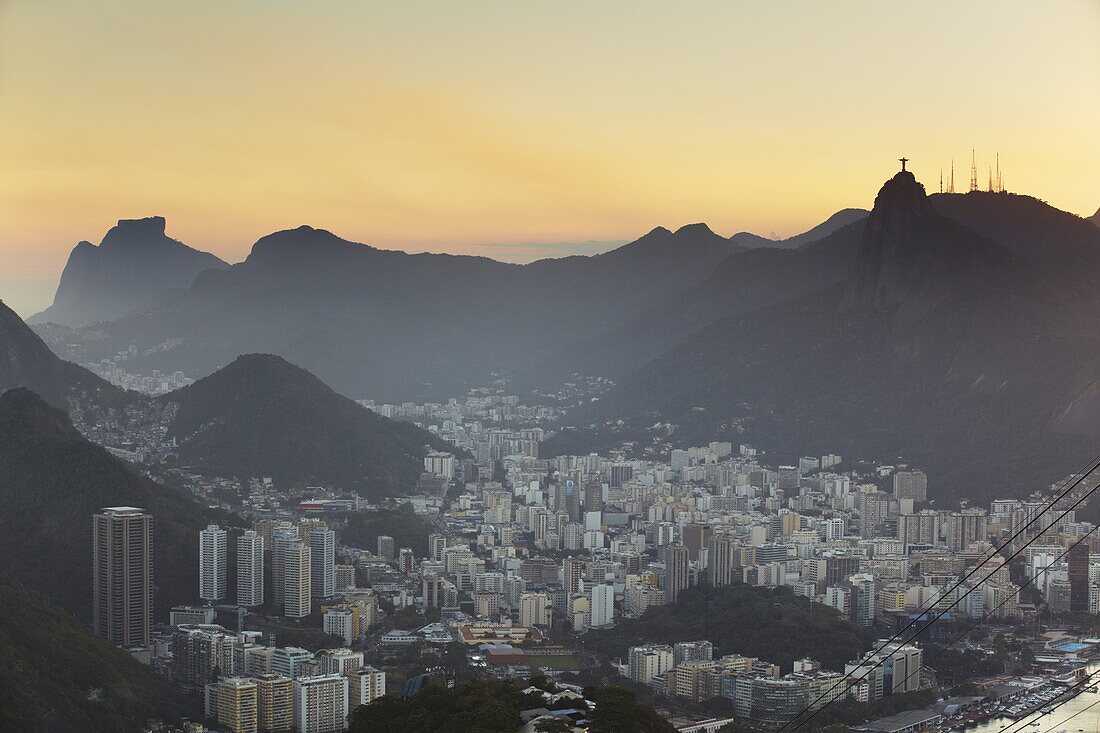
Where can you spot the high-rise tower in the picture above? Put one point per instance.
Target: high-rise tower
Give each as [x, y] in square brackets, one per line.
[322, 547]
[122, 575]
[250, 569]
[296, 580]
[720, 560]
[212, 564]
[281, 537]
[677, 571]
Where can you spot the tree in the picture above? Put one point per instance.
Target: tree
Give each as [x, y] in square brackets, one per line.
[771, 624]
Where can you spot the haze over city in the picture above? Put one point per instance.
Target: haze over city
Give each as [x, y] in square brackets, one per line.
[549, 367]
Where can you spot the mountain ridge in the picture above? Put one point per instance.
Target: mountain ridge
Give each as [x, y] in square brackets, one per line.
[26, 361]
[745, 281]
[134, 263]
[368, 300]
[940, 346]
[837, 220]
[1026, 225]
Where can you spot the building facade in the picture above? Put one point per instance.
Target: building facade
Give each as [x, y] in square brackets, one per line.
[122, 569]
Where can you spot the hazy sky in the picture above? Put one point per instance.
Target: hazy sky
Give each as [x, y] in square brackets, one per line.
[468, 126]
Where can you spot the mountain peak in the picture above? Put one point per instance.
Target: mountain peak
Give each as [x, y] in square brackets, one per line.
[1095, 218]
[135, 264]
[901, 199]
[263, 416]
[300, 242]
[149, 226]
[697, 229]
[911, 254]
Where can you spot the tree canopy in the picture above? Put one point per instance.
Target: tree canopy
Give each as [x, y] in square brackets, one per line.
[774, 625]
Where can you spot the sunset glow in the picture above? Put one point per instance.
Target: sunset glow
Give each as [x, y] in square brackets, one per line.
[461, 127]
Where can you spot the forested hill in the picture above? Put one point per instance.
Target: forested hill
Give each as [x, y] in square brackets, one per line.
[263, 416]
[52, 481]
[26, 361]
[774, 625]
[57, 676]
[493, 706]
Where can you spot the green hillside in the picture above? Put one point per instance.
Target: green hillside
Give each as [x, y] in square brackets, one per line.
[57, 676]
[262, 416]
[51, 482]
[482, 706]
[774, 625]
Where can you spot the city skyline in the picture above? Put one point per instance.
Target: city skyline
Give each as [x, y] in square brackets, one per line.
[531, 367]
[433, 129]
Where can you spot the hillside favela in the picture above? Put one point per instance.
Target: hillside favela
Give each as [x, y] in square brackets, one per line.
[368, 367]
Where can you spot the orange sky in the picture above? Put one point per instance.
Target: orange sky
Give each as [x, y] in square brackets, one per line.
[487, 126]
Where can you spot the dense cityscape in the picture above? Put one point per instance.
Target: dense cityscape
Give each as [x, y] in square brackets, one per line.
[500, 564]
[549, 367]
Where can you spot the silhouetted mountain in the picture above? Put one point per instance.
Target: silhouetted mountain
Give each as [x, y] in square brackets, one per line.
[837, 221]
[134, 264]
[391, 325]
[261, 416]
[743, 282]
[51, 482]
[1095, 218]
[1031, 228]
[26, 361]
[913, 260]
[941, 346]
[53, 664]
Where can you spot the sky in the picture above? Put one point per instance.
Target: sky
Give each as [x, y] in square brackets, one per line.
[518, 129]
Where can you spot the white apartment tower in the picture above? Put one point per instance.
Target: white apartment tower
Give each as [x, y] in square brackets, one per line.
[250, 569]
[297, 601]
[535, 609]
[322, 547]
[366, 685]
[440, 464]
[602, 611]
[281, 537]
[321, 704]
[212, 564]
[649, 661]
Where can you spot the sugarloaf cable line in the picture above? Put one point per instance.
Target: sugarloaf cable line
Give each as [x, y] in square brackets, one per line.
[946, 647]
[1070, 485]
[941, 614]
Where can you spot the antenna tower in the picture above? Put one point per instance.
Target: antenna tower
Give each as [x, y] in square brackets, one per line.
[973, 172]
